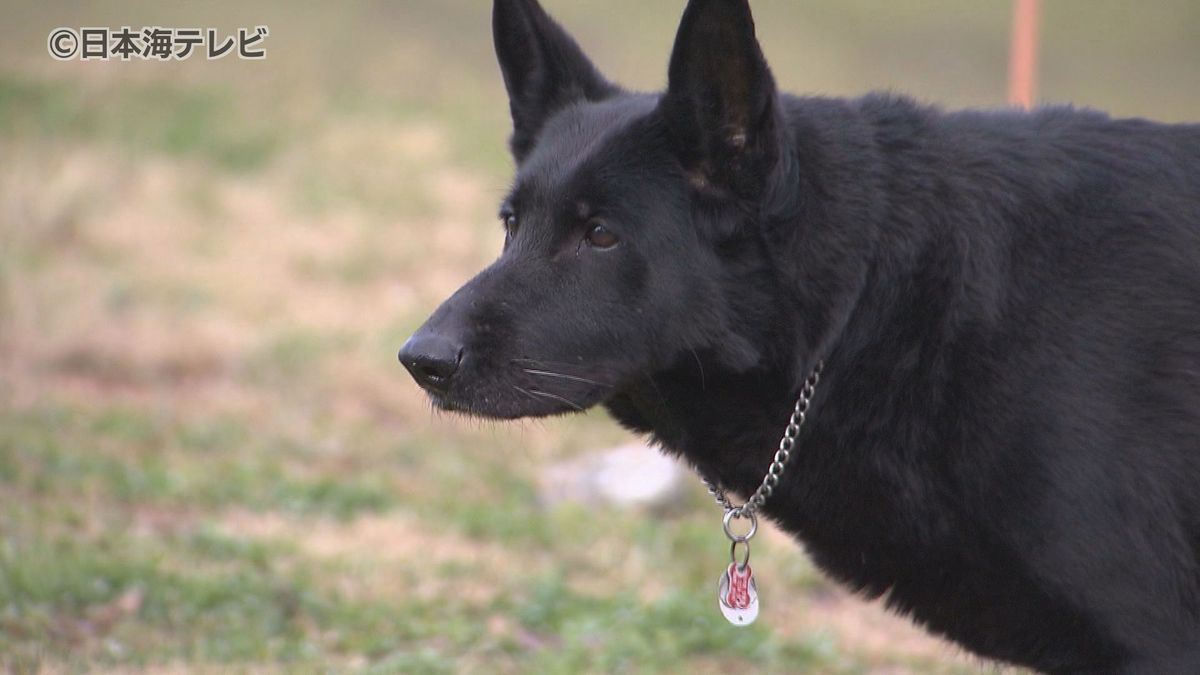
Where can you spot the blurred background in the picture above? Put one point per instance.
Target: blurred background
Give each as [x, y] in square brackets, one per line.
[209, 457]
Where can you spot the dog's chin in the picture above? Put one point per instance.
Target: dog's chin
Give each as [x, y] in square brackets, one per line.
[519, 404]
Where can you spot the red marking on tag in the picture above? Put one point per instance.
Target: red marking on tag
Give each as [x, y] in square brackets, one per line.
[739, 587]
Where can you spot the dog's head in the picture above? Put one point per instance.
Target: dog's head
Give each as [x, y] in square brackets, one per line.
[630, 220]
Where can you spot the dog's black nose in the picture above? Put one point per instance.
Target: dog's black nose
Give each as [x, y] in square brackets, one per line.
[432, 359]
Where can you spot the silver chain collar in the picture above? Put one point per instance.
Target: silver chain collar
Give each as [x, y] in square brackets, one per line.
[786, 444]
[737, 590]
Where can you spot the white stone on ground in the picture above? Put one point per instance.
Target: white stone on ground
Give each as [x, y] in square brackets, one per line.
[633, 475]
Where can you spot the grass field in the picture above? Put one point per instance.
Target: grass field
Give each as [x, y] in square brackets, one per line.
[209, 458]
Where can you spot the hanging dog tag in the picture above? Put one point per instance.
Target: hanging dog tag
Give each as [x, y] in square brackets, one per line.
[737, 595]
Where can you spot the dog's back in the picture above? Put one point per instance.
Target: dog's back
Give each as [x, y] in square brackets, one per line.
[1020, 414]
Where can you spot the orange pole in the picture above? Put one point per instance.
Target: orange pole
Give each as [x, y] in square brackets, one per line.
[1023, 56]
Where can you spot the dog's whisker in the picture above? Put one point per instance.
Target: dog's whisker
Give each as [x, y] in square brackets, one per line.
[573, 378]
[525, 391]
[700, 365]
[540, 362]
[546, 394]
[562, 365]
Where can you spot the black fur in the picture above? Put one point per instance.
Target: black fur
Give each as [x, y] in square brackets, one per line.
[1006, 440]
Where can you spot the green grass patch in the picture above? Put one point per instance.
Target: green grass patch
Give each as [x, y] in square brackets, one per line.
[121, 600]
[618, 633]
[131, 456]
[154, 116]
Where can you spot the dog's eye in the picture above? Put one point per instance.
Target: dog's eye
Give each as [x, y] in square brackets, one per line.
[601, 237]
[510, 223]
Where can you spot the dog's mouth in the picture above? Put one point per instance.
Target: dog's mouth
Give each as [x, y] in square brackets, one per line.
[525, 388]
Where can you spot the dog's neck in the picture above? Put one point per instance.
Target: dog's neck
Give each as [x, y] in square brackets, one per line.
[733, 450]
[849, 305]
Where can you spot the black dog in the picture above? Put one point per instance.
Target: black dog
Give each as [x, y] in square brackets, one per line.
[1006, 440]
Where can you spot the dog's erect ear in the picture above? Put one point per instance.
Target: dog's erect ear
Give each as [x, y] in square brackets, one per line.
[543, 68]
[721, 104]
